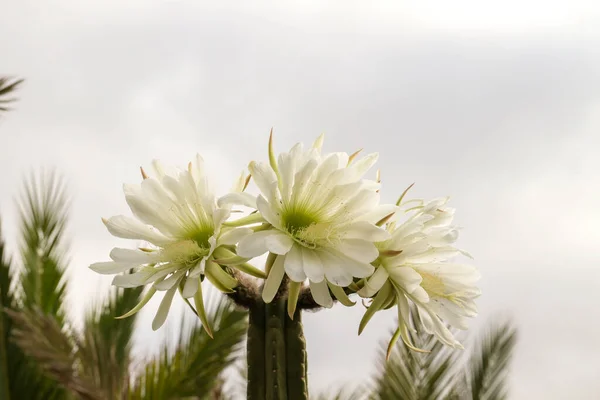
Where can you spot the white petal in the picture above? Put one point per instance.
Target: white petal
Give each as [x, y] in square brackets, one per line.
[111, 267]
[170, 281]
[293, 264]
[358, 249]
[302, 178]
[254, 244]
[313, 267]
[237, 198]
[374, 282]
[190, 287]
[318, 144]
[263, 176]
[133, 256]
[320, 293]
[151, 214]
[366, 231]
[434, 325]
[133, 280]
[378, 213]
[130, 228]
[406, 277]
[279, 243]
[268, 211]
[354, 267]
[336, 271]
[163, 309]
[273, 280]
[233, 236]
[220, 215]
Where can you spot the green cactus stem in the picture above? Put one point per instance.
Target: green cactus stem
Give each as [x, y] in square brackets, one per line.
[276, 353]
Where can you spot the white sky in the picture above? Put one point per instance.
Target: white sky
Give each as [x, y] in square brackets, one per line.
[496, 104]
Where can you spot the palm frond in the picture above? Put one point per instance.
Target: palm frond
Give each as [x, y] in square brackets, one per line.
[342, 393]
[43, 215]
[194, 367]
[417, 376]
[6, 301]
[40, 336]
[25, 380]
[104, 352]
[488, 365]
[7, 87]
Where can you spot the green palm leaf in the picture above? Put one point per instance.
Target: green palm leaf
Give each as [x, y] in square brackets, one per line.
[105, 345]
[6, 301]
[41, 337]
[24, 379]
[342, 393]
[412, 375]
[488, 366]
[193, 368]
[43, 214]
[7, 87]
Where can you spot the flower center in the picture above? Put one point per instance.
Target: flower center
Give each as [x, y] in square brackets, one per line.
[201, 238]
[296, 222]
[184, 252]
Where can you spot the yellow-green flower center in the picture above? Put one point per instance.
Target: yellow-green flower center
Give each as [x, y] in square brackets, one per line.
[201, 237]
[296, 222]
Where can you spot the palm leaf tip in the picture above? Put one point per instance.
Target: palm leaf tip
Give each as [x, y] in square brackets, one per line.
[43, 209]
[7, 87]
[488, 366]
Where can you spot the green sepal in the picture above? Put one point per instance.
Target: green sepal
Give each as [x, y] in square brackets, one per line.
[293, 294]
[376, 305]
[141, 304]
[199, 302]
[219, 278]
[340, 294]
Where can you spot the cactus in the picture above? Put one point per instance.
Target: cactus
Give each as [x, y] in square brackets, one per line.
[276, 353]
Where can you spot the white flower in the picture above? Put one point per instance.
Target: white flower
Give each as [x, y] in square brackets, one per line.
[177, 213]
[414, 268]
[319, 212]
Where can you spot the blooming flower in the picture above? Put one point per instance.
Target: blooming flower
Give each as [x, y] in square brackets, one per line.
[414, 267]
[318, 212]
[177, 214]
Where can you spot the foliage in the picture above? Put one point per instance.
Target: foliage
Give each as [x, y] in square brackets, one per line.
[444, 373]
[7, 87]
[194, 366]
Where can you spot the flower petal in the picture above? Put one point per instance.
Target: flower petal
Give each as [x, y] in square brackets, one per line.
[366, 231]
[170, 281]
[374, 283]
[313, 267]
[320, 293]
[163, 309]
[273, 280]
[237, 198]
[279, 243]
[293, 264]
[406, 277]
[268, 212]
[359, 250]
[133, 256]
[233, 236]
[335, 269]
[112, 267]
[263, 176]
[190, 287]
[130, 228]
[254, 244]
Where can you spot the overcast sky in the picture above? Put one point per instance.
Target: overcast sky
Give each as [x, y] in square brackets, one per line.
[496, 105]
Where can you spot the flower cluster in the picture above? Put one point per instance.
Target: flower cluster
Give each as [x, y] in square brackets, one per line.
[321, 223]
